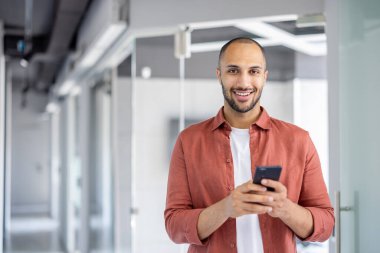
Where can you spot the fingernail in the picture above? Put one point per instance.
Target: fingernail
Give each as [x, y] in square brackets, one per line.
[264, 181]
[269, 209]
[270, 199]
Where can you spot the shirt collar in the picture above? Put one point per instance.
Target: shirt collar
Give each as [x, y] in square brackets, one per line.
[263, 122]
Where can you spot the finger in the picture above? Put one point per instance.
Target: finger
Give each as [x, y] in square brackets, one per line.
[249, 186]
[256, 198]
[278, 187]
[255, 208]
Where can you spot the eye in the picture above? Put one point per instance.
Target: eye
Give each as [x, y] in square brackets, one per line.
[233, 71]
[254, 72]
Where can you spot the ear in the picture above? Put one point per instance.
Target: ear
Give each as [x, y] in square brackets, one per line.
[218, 73]
[266, 73]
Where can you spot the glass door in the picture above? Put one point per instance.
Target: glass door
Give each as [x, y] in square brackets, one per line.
[155, 105]
[359, 54]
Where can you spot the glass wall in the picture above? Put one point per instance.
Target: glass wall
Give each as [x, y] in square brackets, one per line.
[155, 107]
[359, 124]
[71, 174]
[100, 173]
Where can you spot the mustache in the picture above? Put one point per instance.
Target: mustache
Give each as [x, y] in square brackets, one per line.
[244, 89]
[253, 89]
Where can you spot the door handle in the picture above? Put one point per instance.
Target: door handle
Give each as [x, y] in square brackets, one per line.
[338, 208]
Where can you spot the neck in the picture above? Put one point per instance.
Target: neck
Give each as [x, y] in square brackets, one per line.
[241, 120]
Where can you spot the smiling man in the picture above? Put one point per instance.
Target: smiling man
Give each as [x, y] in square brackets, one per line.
[212, 203]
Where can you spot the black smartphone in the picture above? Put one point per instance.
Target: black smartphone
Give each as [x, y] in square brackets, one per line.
[267, 172]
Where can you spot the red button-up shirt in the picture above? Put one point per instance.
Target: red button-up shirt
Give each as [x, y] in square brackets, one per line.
[201, 174]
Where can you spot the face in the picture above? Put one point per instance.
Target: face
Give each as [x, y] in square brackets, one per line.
[242, 74]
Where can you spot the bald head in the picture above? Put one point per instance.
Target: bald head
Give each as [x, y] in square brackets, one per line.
[243, 40]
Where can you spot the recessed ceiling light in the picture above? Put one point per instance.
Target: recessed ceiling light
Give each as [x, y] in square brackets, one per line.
[24, 63]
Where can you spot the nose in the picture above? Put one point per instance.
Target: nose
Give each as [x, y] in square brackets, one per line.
[244, 80]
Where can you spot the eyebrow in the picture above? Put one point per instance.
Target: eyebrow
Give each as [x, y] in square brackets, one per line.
[236, 66]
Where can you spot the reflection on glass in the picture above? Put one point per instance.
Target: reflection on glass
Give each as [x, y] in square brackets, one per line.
[100, 193]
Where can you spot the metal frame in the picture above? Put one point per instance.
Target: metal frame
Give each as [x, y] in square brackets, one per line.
[134, 210]
[103, 167]
[8, 159]
[332, 34]
[84, 103]
[70, 160]
[2, 134]
[54, 165]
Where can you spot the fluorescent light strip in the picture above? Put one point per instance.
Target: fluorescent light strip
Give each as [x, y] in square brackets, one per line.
[234, 22]
[217, 45]
[91, 57]
[101, 44]
[66, 86]
[124, 45]
[320, 37]
[286, 39]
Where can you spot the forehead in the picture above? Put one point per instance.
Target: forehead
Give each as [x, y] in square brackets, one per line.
[239, 53]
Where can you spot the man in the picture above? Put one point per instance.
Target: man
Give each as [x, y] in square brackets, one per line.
[212, 203]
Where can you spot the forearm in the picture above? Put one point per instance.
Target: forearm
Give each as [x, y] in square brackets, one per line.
[299, 219]
[211, 219]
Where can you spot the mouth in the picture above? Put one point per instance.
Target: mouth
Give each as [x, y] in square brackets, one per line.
[243, 95]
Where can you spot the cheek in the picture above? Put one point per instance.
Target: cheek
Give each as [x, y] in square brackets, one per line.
[230, 81]
[260, 83]
[226, 82]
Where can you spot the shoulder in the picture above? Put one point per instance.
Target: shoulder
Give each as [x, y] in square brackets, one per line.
[287, 129]
[197, 130]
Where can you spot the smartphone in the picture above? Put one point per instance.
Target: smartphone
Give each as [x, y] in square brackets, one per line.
[267, 172]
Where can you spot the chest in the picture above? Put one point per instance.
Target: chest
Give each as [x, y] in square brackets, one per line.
[210, 164]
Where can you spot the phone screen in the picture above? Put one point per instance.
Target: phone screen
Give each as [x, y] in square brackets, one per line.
[267, 172]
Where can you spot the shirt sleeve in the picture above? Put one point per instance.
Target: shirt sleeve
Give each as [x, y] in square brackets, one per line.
[180, 217]
[315, 198]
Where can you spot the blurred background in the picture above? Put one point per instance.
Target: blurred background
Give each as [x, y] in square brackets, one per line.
[93, 94]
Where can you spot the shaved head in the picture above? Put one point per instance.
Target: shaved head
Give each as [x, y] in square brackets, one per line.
[244, 40]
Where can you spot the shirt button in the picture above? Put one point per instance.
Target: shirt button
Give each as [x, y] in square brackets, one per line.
[228, 160]
[230, 188]
[232, 245]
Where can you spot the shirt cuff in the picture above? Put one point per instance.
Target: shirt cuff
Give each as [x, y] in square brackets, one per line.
[320, 221]
[191, 231]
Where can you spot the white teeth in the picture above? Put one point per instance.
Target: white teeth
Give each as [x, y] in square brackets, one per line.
[243, 93]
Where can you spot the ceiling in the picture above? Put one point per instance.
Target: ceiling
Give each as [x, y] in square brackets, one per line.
[38, 34]
[290, 50]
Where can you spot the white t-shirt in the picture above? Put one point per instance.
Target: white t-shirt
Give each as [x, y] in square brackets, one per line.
[248, 230]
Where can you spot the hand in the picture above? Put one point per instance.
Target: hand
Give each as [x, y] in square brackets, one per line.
[247, 198]
[280, 204]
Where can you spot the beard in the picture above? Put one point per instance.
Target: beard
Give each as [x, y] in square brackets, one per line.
[241, 109]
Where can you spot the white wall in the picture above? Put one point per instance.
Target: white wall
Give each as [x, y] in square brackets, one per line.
[30, 183]
[122, 155]
[310, 113]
